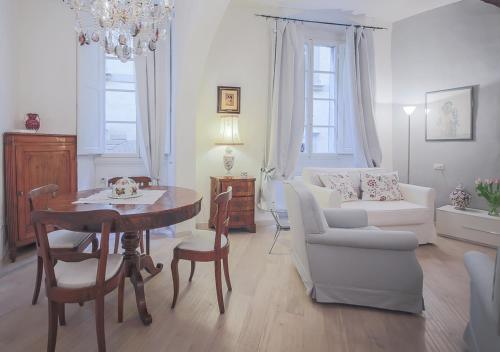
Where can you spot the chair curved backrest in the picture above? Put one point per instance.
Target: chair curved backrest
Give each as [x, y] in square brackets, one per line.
[223, 205]
[73, 221]
[142, 181]
[39, 197]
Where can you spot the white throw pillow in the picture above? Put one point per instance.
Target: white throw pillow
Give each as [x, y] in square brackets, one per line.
[340, 182]
[380, 186]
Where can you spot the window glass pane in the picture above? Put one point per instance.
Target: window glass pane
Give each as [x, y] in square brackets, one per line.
[324, 85]
[120, 106]
[120, 85]
[324, 58]
[323, 113]
[121, 138]
[323, 140]
[116, 67]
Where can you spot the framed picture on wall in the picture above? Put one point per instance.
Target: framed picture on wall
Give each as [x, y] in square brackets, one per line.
[228, 100]
[449, 115]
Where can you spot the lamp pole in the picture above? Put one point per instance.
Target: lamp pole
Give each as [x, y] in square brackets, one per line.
[409, 110]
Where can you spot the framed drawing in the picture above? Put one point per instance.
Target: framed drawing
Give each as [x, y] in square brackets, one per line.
[449, 114]
[228, 100]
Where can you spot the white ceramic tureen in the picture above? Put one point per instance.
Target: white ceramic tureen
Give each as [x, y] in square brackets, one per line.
[125, 188]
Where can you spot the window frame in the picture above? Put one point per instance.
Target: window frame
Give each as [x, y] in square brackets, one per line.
[339, 124]
[107, 154]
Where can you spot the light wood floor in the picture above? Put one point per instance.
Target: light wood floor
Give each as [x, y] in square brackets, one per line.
[267, 310]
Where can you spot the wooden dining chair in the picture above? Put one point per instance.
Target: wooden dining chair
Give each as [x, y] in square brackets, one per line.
[79, 277]
[143, 182]
[60, 241]
[207, 246]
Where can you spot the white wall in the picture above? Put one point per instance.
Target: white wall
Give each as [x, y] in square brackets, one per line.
[46, 64]
[7, 92]
[452, 46]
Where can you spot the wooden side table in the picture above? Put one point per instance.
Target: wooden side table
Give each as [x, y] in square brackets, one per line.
[242, 215]
[471, 225]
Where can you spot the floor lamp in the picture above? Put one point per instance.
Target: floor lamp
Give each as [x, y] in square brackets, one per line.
[409, 110]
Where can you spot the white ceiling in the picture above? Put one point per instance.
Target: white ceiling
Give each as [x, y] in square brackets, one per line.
[384, 10]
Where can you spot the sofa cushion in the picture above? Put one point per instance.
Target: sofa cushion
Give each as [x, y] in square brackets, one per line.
[392, 213]
[340, 182]
[380, 186]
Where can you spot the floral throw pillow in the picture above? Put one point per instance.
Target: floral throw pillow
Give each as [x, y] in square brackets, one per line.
[342, 183]
[380, 186]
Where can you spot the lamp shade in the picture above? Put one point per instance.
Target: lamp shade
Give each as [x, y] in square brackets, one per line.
[409, 109]
[229, 133]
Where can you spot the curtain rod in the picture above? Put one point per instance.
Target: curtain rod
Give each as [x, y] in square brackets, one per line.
[318, 22]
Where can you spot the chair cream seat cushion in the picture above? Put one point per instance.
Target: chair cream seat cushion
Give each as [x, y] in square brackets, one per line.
[391, 213]
[201, 241]
[83, 274]
[66, 238]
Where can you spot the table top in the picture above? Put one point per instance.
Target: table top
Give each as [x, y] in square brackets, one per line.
[176, 205]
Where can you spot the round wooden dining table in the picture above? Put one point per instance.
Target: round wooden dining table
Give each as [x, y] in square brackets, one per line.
[174, 206]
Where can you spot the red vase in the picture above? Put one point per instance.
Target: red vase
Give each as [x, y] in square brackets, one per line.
[32, 122]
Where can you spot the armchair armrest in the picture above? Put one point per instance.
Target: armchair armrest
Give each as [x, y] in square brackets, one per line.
[346, 218]
[326, 197]
[366, 239]
[481, 271]
[424, 196]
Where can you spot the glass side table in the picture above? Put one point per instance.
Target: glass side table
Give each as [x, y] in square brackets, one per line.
[281, 219]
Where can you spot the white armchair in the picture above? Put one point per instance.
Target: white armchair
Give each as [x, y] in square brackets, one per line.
[483, 330]
[343, 260]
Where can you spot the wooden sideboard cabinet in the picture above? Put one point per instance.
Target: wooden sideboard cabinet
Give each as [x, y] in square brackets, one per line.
[242, 215]
[33, 160]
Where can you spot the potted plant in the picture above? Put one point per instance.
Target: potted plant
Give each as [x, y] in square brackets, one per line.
[489, 189]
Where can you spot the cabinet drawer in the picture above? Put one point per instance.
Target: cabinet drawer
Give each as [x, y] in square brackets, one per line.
[241, 218]
[241, 188]
[242, 204]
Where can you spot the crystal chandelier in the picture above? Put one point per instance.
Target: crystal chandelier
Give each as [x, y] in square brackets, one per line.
[122, 27]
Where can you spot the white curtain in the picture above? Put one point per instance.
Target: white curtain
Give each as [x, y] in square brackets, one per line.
[286, 109]
[358, 80]
[153, 106]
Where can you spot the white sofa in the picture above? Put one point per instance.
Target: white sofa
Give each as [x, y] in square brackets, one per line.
[341, 259]
[415, 213]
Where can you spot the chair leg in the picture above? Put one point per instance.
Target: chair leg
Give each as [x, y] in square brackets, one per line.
[53, 314]
[147, 242]
[193, 266]
[276, 235]
[99, 323]
[175, 277]
[38, 281]
[225, 261]
[62, 314]
[117, 242]
[121, 288]
[141, 241]
[95, 244]
[218, 285]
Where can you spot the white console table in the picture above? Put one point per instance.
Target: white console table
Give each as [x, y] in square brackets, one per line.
[471, 225]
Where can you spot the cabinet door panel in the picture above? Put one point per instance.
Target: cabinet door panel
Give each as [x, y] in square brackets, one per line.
[38, 167]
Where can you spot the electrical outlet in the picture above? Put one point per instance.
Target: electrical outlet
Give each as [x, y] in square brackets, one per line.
[104, 182]
[439, 166]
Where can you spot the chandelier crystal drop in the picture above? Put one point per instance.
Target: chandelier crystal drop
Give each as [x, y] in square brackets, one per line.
[122, 27]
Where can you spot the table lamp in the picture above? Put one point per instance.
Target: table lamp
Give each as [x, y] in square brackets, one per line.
[229, 135]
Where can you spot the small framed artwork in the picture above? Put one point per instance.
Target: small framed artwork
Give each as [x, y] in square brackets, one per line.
[449, 115]
[228, 100]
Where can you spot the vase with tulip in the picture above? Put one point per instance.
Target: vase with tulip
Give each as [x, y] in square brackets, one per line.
[489, 189]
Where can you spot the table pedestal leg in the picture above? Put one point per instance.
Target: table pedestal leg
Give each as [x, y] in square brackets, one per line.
[134, 262]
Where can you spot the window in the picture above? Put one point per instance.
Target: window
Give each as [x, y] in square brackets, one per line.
[120, 108]
[322, 131]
